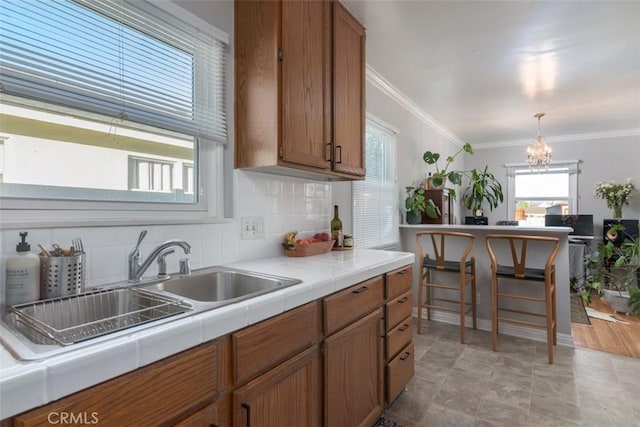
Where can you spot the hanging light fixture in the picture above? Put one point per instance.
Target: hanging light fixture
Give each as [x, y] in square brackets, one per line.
[539, 153]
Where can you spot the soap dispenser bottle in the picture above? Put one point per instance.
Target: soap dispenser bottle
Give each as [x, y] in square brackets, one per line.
[23, 274]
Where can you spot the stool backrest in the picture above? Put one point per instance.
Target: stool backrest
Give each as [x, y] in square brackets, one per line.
[438, 239]
[520, 259]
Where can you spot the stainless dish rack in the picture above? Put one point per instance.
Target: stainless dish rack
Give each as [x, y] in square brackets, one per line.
[71, 319]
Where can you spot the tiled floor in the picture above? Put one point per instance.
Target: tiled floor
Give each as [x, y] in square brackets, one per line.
[470, 385]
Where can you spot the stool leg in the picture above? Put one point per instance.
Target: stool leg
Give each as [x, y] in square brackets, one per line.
[428, 290]
[549, 316]
[473, 292]
[463, 291]
[494, 309]
[555, 309]
[420, 301]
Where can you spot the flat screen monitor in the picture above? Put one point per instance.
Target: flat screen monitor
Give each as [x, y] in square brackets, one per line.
[582, 224]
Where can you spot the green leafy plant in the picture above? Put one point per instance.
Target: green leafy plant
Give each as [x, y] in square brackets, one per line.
[483, 186]
[614, 267]
[443, 174]
[416, 202]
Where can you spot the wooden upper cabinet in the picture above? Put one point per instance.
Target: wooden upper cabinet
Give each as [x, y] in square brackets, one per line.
[288, 118]
[348, 92]
[306, 83]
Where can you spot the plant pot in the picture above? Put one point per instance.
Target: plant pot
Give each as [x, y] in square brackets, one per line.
[432, 186]
[476, 220]
[620, 303]
[414, 218]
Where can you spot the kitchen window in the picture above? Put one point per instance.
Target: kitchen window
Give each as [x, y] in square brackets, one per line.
[375, 200]
[533, 193]
[95, 92]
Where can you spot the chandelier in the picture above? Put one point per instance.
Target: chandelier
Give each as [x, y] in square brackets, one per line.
[539, 153]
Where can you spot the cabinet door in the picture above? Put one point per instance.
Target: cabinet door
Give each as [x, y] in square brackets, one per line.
[353, 366]
[306, 83]
[348, 92]
[287, 395]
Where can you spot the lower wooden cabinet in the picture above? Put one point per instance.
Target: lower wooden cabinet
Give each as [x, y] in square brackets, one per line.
[353, 373]
[287, 395]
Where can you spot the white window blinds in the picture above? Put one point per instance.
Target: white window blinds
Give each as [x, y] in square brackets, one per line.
[130, 60]
[375, 200]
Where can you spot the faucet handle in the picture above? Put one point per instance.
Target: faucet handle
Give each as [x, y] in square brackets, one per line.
[162, 262]
[185, 267]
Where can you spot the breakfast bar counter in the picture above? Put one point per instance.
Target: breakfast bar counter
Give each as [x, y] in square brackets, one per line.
[483, 273]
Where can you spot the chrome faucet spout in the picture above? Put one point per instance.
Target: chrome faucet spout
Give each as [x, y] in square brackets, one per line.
[137, 270]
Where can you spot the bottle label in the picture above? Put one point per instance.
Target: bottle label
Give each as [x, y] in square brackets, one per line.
[18, 279]
[337, 236]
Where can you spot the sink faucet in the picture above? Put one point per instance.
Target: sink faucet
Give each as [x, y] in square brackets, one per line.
[137, 267]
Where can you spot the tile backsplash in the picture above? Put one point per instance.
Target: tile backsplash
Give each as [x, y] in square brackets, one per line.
[285, 203]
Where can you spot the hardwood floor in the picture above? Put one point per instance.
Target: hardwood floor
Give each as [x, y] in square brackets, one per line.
[610, 337]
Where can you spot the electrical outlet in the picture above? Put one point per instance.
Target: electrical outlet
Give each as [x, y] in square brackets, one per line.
[252, 227]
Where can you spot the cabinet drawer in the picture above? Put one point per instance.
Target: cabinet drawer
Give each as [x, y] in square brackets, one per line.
[399, 337]
[399, 281]
[350, 304]
[264, 345]
[157, 394]
[398, 309]
[399, 372]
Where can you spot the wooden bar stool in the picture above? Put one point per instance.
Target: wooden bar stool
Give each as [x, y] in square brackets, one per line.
[465, 267]
[519, 270]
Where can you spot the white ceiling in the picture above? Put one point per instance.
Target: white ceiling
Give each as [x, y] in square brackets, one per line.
[482, 69]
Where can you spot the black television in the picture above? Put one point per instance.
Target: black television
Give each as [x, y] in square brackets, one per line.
[582, 224]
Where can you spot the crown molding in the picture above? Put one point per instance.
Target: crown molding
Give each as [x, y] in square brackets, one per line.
[377, 80]
[560, 139]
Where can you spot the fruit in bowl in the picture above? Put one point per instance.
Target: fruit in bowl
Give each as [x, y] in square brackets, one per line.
[322, 237]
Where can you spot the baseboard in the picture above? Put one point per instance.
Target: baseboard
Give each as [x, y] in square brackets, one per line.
[534, 334]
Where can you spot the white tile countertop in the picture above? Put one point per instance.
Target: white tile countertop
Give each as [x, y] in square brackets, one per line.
[26, 385]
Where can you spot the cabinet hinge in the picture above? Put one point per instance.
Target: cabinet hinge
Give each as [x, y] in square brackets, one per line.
[280, 152]
[280, 55]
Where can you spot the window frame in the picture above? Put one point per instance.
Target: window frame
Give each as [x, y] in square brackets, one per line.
[572, 168]
[209, 158]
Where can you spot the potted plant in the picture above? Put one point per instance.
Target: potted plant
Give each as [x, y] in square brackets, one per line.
[483, 187]
[416, 203]
[441, 175]
[614, 271]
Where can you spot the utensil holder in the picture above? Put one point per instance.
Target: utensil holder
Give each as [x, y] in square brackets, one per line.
[61, 276]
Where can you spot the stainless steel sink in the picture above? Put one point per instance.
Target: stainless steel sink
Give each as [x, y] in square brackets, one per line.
[49, 327]
[221, 284]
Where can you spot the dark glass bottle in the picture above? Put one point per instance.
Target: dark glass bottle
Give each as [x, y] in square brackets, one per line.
[336, 227]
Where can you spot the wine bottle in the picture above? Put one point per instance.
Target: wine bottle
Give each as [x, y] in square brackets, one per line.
[336, 227]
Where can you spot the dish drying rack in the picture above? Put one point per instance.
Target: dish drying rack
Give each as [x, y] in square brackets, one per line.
[71, 319]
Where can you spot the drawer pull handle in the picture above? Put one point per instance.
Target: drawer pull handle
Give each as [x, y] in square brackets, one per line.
[403, 300]
[360, 290]
[339, 153]
[247, 408]
[406, 354]
[329, 144]
[404, 328]
[403, 272]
